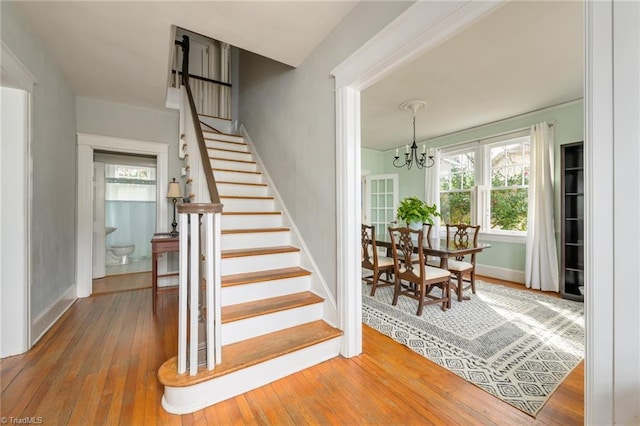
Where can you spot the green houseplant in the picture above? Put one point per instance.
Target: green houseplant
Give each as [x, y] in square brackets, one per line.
[414, 210]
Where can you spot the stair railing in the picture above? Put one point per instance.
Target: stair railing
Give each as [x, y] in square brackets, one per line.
[199, 311]
[212, 97]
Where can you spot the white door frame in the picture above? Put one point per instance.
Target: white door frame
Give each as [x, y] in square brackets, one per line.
[99, 234]
[424, 25]
[86, 145]
[421, 27]
[16, 325]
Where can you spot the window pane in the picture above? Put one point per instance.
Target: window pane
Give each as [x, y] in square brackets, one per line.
[509, 209]
[468, 180]
[498, 177]
[455, 207]
[445, 184]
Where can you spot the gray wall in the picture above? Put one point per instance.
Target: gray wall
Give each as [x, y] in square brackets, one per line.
[290, 116]
[125, 121]
[53, 151]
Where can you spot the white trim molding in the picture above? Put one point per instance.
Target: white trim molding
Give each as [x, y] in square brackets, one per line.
[512, 275]
[14, 72]
[421, 27]
[48, 317]
[84, 220]
[599, 205]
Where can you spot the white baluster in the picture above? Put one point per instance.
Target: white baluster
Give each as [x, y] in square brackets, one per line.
[182, 293]
[194, 265]
[209, 231]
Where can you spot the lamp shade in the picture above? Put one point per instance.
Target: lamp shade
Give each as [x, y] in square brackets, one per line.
[174, 190]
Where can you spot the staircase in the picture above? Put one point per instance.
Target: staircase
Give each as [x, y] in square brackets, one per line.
[273, 310]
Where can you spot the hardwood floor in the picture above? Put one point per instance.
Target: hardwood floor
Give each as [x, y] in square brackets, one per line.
[99, 365]
[124, 282]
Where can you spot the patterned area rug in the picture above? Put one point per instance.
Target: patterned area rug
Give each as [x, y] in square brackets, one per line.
[517, 345]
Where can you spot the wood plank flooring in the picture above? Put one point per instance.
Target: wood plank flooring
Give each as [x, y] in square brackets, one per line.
[99, 365]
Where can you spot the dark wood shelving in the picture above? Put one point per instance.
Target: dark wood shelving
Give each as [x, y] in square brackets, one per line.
[572, 232]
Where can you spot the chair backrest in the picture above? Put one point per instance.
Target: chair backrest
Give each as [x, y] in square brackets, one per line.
[427, 227]
[369, 249]
[461, 235]
[404, 243]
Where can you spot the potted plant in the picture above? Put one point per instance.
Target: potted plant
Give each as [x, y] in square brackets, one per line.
[413, 210]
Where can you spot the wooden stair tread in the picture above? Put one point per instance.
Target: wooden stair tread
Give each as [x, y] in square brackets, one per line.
[268, 306]
[228, 150]
[222, 140]
[215, 169]
[226, 182]
[232, 159]
[248, 197]
[260, 276]
[228, 254]
[252, 230]
[251, 352]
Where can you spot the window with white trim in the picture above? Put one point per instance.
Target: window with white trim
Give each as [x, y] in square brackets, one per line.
[487, 183]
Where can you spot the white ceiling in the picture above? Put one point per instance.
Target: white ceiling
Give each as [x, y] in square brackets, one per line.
[119, 50]
[522, 57]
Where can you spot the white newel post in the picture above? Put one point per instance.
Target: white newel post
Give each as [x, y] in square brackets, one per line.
[198, 220]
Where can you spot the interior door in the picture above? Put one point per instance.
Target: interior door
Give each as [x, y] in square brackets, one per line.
[381, 201]
[99, 235]
[198, 58]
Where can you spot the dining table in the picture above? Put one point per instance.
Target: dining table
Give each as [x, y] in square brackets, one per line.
[438, 247]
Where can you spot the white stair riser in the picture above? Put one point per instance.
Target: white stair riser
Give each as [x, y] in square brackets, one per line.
[262, 290]
[223, 137]
[254, 239]
[244, 264]
[248, 204]
[242, 190]
[232, 155]
[237, 177]
[213, 144]
[233, 165]
[251, 221]
[183, 400]
[237, 331]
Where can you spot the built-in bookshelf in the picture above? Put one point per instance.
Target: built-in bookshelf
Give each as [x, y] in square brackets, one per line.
[572, 216]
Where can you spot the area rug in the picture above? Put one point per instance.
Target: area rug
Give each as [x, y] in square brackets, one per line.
[517, 345]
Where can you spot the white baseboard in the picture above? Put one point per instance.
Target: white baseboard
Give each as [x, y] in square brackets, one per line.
[48, 317]
[505, 274]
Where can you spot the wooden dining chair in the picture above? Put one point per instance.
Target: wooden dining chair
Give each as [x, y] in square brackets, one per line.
[461, 235]
[417, 280]
[374, 262]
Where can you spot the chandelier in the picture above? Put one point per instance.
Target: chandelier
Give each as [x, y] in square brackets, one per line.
[411, 156]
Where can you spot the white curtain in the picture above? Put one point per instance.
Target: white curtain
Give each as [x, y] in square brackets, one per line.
[541, 270]
[432, 187]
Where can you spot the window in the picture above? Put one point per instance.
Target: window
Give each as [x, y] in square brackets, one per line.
[457, 179]
[491, 192]
[509, 189]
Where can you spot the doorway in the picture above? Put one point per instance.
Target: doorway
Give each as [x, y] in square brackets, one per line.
[14, 223]
[87, 146]
[124, 213]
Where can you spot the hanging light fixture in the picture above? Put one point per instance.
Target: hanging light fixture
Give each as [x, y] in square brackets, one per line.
[411, 155]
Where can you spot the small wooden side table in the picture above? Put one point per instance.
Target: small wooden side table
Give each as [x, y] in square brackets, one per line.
[162, 243]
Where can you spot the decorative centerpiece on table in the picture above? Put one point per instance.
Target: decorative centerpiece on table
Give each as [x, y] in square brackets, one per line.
[414, 212]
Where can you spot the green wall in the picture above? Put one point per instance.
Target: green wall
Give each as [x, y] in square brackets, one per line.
[569, 127]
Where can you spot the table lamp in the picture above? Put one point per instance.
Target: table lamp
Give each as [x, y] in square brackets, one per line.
[173, 193]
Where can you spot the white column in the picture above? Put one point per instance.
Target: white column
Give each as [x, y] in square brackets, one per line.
[348, 200]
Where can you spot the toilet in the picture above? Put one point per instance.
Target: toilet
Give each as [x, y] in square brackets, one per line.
[119, 254]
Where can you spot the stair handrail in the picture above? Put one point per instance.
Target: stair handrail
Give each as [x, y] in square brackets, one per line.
[202, 147]
[200, 260]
